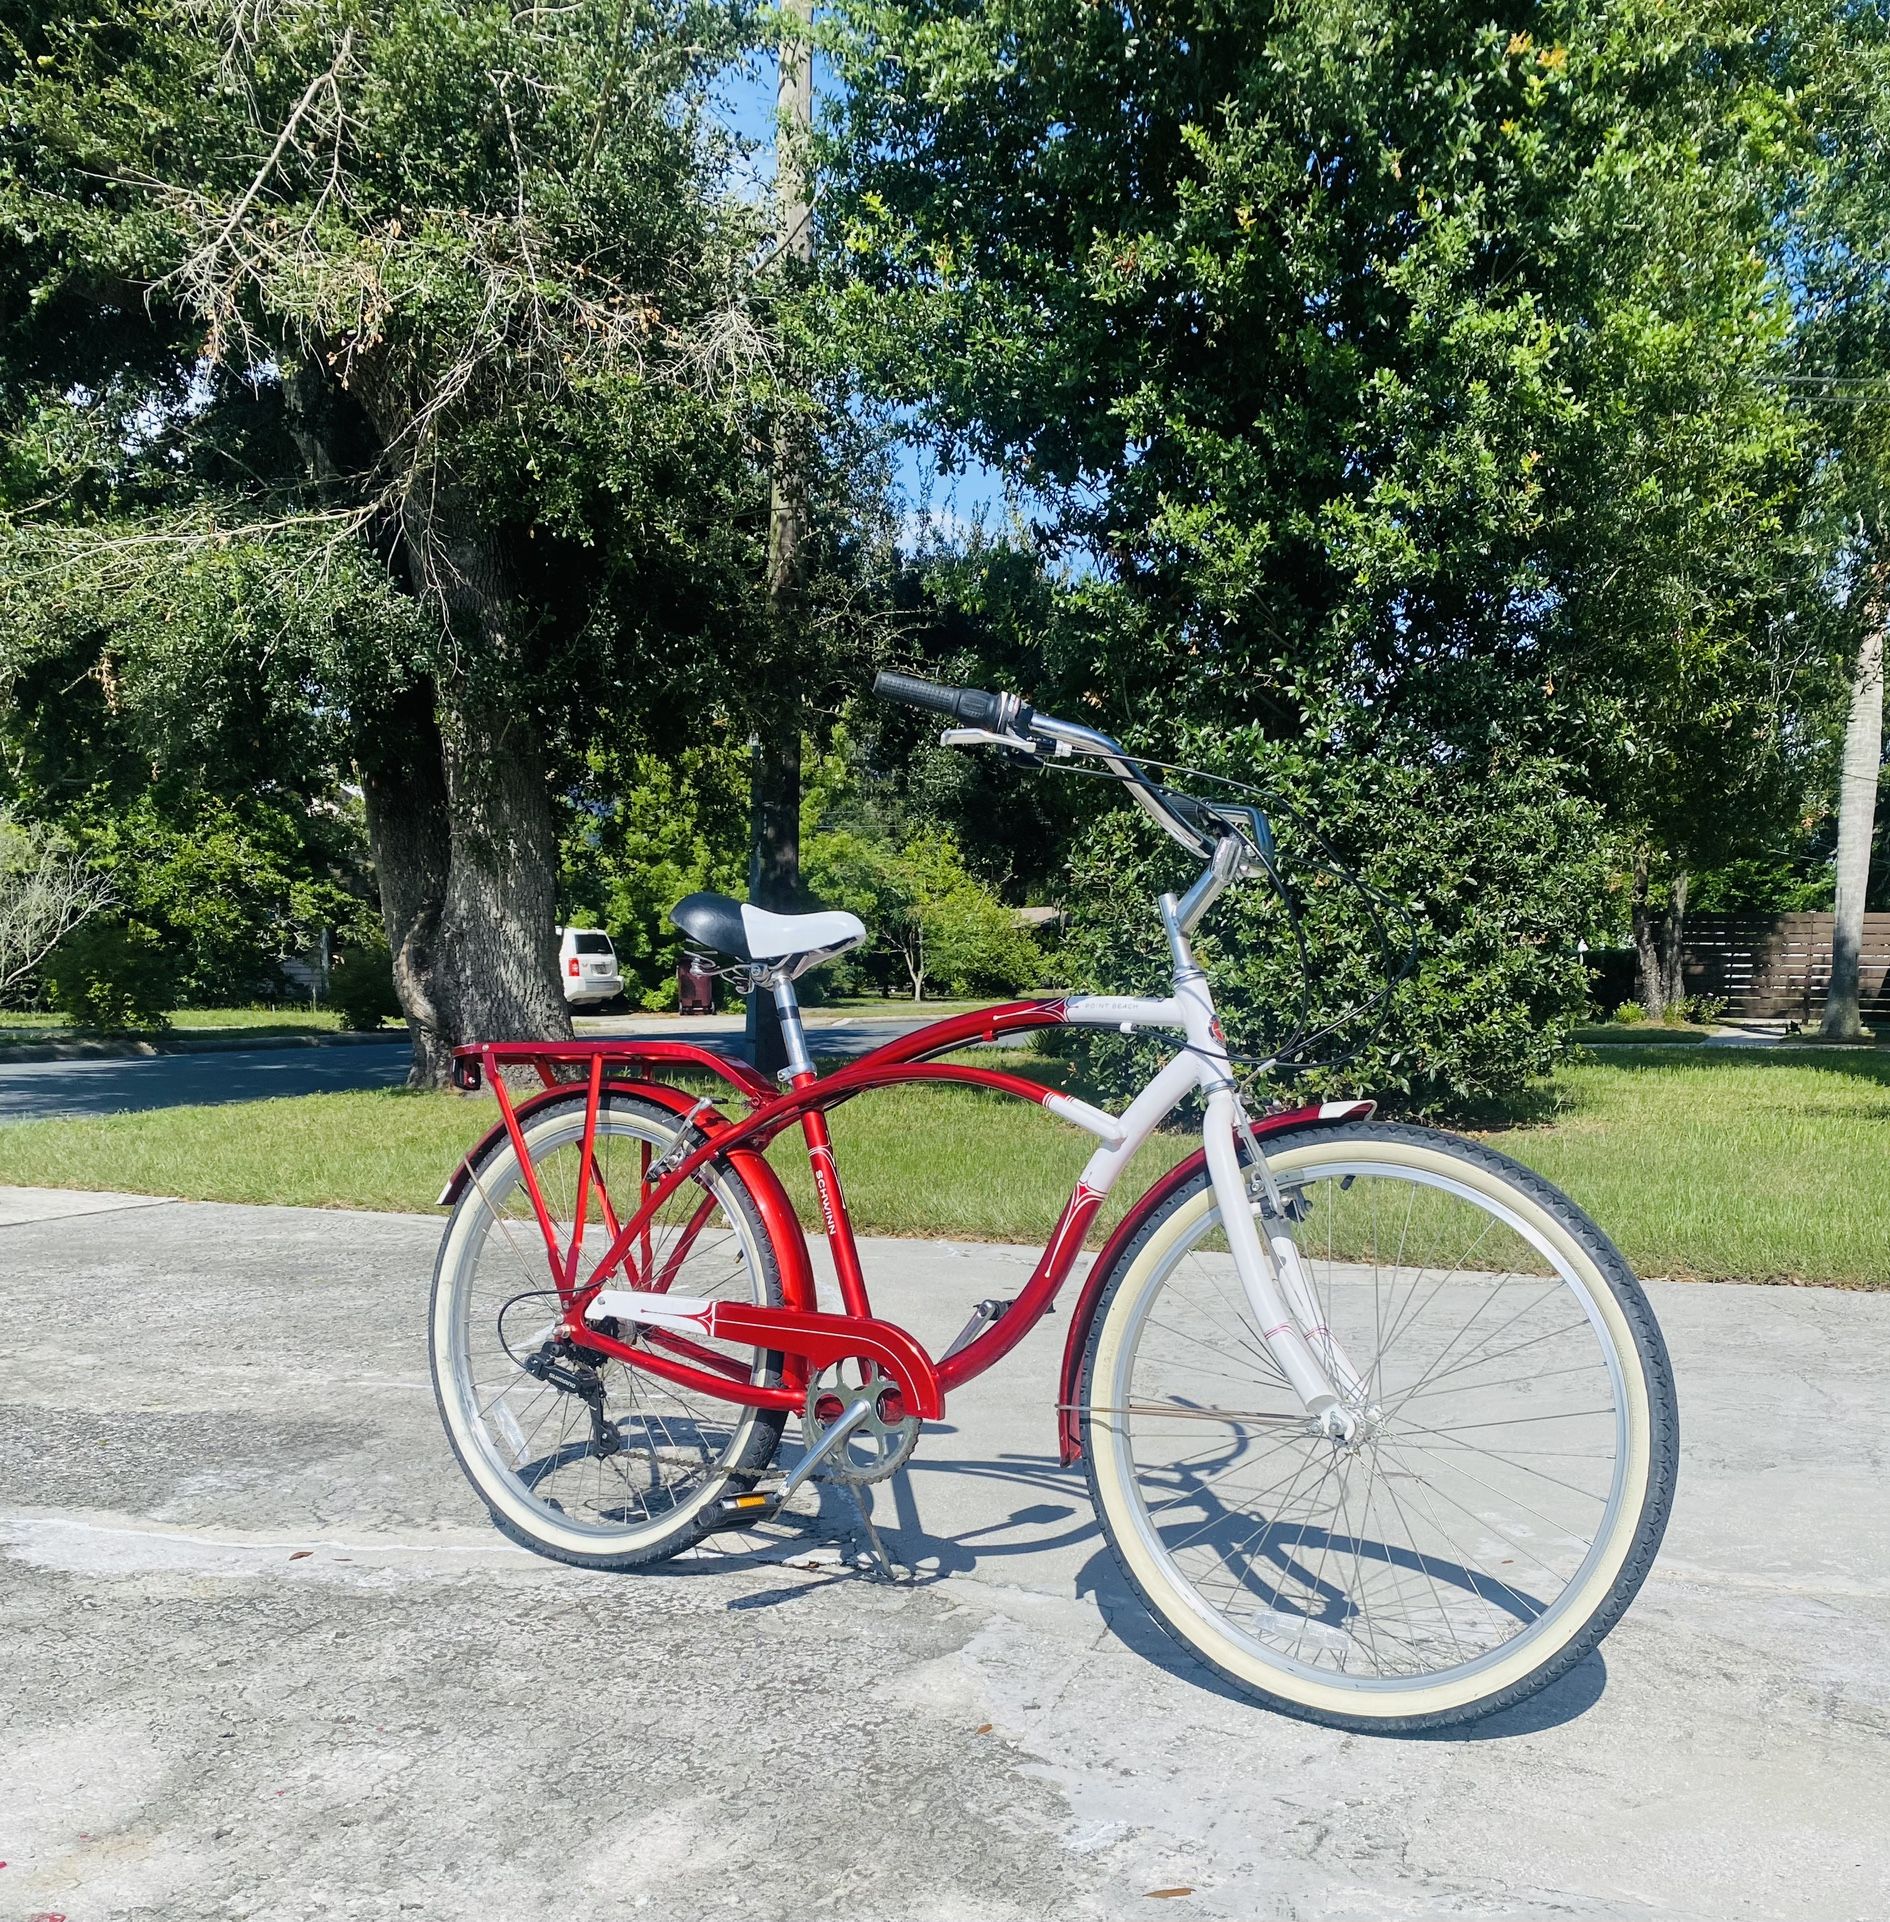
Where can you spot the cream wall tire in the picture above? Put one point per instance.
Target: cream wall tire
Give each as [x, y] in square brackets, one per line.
[1476, 1576]
[528, 1447]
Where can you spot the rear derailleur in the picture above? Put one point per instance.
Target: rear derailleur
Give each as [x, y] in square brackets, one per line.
[571, 1371]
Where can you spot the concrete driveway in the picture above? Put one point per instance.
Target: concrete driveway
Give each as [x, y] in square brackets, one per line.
[266, 1659]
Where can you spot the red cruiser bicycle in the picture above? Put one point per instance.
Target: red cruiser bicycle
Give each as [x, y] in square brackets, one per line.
[1377, 1422]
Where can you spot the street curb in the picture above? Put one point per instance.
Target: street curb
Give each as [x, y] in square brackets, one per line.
[145, 1049]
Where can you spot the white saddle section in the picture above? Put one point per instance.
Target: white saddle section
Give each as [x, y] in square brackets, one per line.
[770, 936]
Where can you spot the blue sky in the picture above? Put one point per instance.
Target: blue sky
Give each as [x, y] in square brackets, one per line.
[941, 506]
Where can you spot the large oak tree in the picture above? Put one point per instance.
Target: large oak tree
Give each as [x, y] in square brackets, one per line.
[442, 316]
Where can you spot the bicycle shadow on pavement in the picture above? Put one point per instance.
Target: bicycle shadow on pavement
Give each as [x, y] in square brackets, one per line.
[937, 1519]
[1130, 1622]
[1051, 1530]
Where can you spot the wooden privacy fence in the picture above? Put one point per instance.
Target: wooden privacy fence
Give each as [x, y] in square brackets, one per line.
[1780, 964]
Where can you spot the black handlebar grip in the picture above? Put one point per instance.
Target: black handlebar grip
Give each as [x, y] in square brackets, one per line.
[971, 706]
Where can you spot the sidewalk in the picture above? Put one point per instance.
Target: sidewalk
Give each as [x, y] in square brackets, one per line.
[270, 1659]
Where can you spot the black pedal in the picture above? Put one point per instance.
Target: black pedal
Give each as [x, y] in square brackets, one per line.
[740, 1511]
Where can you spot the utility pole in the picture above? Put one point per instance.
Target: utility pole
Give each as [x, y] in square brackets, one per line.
[774, 840]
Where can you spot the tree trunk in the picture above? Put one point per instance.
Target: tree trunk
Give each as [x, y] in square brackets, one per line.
[1857, 816]
[1672, 935]
[498, 939]
[774, 854]
[404, 788]
[1646, 946]
[494, 973]
[459, 810]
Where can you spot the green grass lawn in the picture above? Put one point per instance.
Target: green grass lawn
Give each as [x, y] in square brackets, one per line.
[1701, 1162]
[1727, 1163]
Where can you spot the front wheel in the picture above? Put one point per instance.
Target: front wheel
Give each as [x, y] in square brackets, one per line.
[1512, 1468]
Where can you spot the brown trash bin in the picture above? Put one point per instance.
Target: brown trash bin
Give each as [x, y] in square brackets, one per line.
[695, 985]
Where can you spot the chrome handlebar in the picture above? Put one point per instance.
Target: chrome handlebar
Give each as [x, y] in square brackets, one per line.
[1006, 721]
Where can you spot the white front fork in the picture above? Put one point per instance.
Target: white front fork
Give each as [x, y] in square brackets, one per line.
[1275, 1282]
[1271, 1272]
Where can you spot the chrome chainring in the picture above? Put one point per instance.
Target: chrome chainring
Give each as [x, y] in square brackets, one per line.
[874, 1447]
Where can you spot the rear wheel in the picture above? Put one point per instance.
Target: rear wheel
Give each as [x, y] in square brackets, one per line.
[575, 1454]
[1513, 1467]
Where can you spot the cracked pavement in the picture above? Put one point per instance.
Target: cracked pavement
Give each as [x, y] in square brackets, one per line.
[265, 1658]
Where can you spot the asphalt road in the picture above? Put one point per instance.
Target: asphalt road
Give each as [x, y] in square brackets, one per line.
[265, 1658]
[43, 1090]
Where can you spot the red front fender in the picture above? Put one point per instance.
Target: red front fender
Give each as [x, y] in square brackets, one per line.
[1070, 1388]
[779, 1220]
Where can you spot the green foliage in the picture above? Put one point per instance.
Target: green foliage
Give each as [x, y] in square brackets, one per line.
[482, 261]
[1417, 353]
[1629, 1013]
[113, 976]
[229, 888]
[1695, 1010]
[1498, 868]
[361, 985]
[1795, 879]
[1383, 374]
[927, 916]
[1839, 237]
[645, 830]
[396, 386]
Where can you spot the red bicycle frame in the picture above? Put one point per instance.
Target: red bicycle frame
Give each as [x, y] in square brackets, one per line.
[803, 1335]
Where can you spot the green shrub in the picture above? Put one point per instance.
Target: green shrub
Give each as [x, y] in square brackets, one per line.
[228, 886]
[361, 986]
[1499, 866]
[931, 923]
[112, 976]
[1630, 1012]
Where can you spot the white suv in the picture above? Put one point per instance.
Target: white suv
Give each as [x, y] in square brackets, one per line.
[587, 965]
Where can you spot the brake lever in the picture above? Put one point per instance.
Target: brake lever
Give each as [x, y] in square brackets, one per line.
[1250, 825]
[1018, 744]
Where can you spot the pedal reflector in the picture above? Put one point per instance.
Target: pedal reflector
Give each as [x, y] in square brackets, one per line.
[740, 1511]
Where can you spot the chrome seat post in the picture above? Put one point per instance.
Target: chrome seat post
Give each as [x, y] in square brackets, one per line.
[793, 1036]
